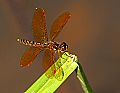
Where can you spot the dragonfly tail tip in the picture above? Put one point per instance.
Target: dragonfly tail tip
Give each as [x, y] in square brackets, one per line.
[18, 39]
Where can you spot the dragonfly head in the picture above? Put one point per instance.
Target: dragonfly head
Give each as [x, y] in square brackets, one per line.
[63, 46]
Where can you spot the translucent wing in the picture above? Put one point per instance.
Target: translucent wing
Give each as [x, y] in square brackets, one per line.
[29, 56]
[59, 71]
[55, 69]
[39, 26]
[58, 24]
[48, 60]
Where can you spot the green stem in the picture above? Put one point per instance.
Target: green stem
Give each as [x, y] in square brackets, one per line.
[83, 80]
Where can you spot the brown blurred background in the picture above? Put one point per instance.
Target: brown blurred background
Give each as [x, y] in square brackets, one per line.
[93, 33]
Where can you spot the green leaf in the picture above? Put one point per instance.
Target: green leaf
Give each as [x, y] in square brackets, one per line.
[68, 63]
[83, 80]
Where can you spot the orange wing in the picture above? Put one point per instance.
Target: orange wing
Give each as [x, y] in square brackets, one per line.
[58, 24]
[39, 26]
[48, 58]
[40, 35]
[29, 55]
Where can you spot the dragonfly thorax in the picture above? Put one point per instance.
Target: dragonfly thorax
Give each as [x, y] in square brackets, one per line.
[56, 46]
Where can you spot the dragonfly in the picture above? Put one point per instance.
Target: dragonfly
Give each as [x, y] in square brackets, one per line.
[41, 42]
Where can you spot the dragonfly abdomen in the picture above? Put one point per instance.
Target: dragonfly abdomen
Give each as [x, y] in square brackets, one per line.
[29, 42]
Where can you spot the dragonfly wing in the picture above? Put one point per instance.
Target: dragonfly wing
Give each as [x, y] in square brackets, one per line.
[54, 69]
[48, 58]
[39, 26]
[58, 24]
[59, 70]
[48, 61]
[59, 74]
[29, 55]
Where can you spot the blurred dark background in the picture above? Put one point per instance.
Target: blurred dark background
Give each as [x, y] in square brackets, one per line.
[93, 34]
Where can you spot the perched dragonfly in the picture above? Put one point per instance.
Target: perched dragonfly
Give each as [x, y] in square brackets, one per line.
[42, 43]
